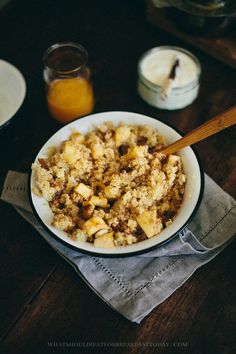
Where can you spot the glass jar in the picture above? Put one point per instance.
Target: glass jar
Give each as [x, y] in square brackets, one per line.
[69, 89]
[154, 68]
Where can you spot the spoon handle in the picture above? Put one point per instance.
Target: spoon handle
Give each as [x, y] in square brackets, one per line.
[213, 126]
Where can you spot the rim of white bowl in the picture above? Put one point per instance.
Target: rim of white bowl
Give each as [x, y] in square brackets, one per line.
[20, 78]
[121, 251]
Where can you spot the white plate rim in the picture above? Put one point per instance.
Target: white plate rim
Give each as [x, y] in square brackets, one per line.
[19, 76]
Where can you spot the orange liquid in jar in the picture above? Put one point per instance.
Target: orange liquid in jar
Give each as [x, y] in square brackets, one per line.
[70, 98]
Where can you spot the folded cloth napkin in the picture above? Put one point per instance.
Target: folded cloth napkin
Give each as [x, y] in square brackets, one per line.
[135, 285]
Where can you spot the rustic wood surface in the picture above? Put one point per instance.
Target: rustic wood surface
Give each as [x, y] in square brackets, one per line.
[222, 48]
[210, 127]
[42, 298]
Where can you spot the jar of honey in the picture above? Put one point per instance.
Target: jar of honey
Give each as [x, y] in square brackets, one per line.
[69, 90]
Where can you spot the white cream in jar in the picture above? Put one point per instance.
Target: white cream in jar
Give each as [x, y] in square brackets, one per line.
[171, 70]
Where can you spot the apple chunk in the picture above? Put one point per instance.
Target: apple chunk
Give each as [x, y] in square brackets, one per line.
[148, 222]
[122, 134]
[98, 201]
[69, 152]
[105, 241]
[93, 225]
[83, 190]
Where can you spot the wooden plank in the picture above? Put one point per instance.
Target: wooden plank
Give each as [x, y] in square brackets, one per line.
[222, 48]
[23, 269]
[66, 310]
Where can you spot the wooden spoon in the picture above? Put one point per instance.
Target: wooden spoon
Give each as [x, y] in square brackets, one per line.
[213, 126]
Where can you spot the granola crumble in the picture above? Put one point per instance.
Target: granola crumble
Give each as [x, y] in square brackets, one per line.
[111, 187]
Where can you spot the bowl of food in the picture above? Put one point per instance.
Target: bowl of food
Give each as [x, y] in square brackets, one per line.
[12, 92]
[101, 185]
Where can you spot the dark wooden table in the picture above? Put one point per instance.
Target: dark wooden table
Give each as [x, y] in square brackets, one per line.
[42, 298]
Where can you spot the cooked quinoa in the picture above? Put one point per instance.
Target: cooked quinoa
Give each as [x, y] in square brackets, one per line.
[111, 187]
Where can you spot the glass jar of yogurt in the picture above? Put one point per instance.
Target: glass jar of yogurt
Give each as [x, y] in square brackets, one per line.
[168, 77]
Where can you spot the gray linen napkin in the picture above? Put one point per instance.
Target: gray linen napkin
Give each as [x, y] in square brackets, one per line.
[136, 285]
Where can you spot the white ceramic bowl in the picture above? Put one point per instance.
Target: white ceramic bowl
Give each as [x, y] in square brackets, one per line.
[193, 190]
[12, 92]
